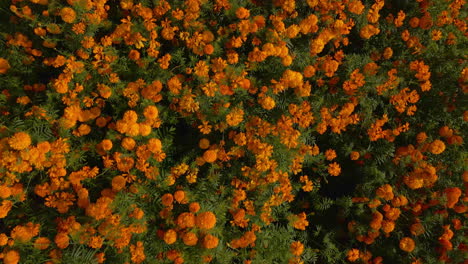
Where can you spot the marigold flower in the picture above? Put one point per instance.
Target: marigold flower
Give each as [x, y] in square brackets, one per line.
[296, 248]
[128, 143]
[179, 196]
[11, 257]
[19, 141]
[453, 195]
[68, 14]
[118, 183]
[210, 241]
[170, 236]
[151, 112]
[356, 7]
[330, 154]
[407, 244]
[210, 156]
[3, 239]
[4, 66]
[353, 254]
[437, 147]
[190, 239]
[242, 13]
[167, 199]
[334, 169]
[194, 207]
[205, 220]
[62, 240]
[354, 155]
[186, 220]
[204, 143]
[267, 102]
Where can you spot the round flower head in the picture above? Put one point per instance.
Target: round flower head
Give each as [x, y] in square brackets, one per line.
[20, 141]
[68, 14]
[170, 236]
[210, 156]
[407, 244]
[210, 241]
[11, 257]
[206, 220]
[4, 66]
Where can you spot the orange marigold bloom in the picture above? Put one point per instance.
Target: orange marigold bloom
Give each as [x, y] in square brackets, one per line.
[19, 141]
[210, 156]
[353, 254]
[204, 143]
[170, 236]
[41, 243]
[296, 248]
[186, 220]
[190, 239]
[106, 144]
[128, 143]
[334, 169]
[242, 13]
[210, 241]
[62, 240]
[356, 7]
[385, 192]
[68, 14]
[368, 31]
[179, 196]
[453, 195]
[235, 117]
[3, 239]
[437, 146]
[194, 207]
[118, 183]
[11, 257]
[167, 199]
[330, 154]
[95, 242]
[151, 112]
[205, 220]
[354, 155]
[407, 244]
[4, 66]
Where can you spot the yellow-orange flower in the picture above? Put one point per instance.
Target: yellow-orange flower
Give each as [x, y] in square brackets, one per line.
[186, 220]
[353, 254]
[204, 143]
[62, 240]
[210, 241]
[242, 13]
[210, 156]
[170, 236]
[437, 147]
[206, 220]
[4, 66]
[118, 183]
[11, 257]
[41, 243]
[68, 14]
[354, 155]
[407, 244]
[296, 248]
[19, 141]
[167, 199]
[179, 196]
[190, 239]
[334, 169]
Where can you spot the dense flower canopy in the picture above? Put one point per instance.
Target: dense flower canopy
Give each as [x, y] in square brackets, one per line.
[233, 131]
